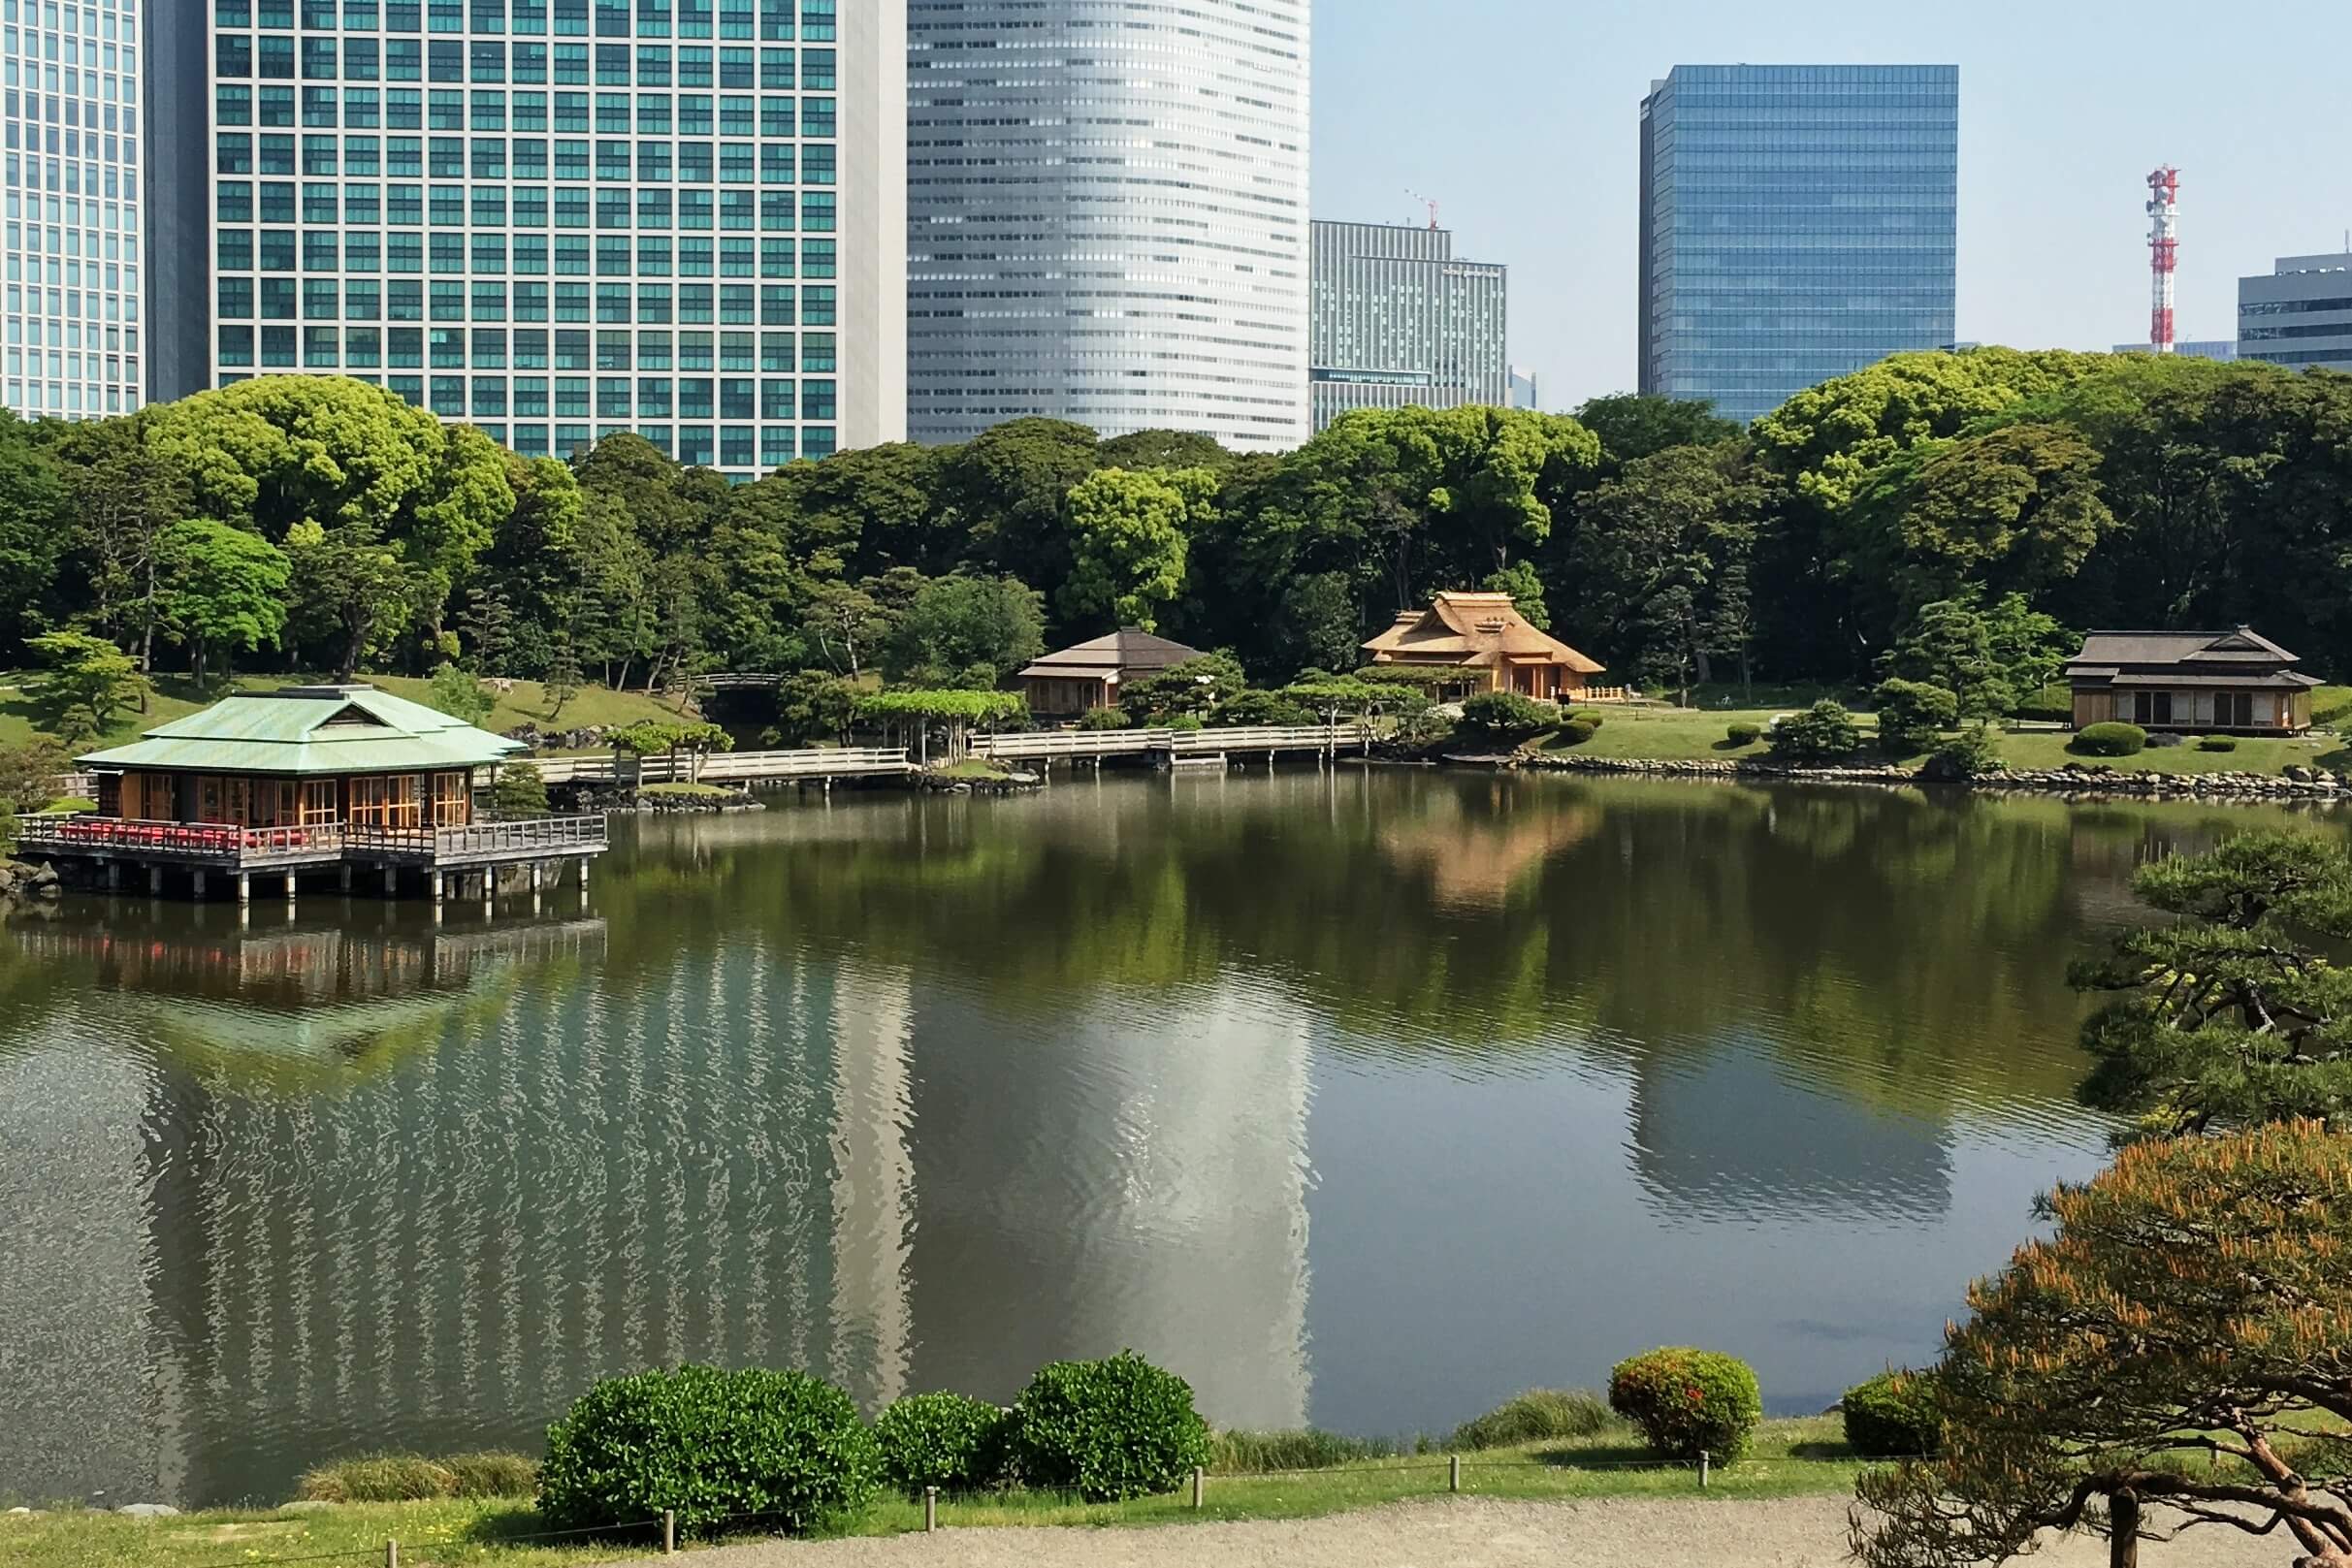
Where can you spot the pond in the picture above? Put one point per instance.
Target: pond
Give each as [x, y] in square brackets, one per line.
[1362, 1098]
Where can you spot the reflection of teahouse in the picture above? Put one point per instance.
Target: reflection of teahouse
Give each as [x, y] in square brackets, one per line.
[2195, 681]
[1067, 684]
[1486, 639]
[303, 780]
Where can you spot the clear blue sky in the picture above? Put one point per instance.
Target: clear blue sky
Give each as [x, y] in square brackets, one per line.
[1521, 116]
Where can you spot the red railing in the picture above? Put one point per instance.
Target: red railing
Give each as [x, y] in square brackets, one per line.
[223, 841]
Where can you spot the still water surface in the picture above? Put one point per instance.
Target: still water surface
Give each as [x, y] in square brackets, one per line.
[1362, 1099]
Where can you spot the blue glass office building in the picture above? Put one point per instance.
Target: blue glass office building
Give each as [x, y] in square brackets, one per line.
[1797, 222]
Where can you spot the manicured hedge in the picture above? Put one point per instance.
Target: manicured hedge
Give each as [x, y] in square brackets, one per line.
[1688, 1401]
[1108, 1430]
[1744, 733]
[780, 1450]
[2111, 739]
[944, 1440]
[1892, 1416]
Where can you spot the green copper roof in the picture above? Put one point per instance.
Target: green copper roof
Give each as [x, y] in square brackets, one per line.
[311, 731]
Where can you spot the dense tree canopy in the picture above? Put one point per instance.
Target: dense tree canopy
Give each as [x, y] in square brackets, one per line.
[1945, 518]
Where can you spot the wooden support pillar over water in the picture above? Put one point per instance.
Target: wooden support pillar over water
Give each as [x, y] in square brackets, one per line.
[346, 868]
[245, 887]
[584, 876]
[114, 875]
[154, 881]
[392, 882]
[197, 882]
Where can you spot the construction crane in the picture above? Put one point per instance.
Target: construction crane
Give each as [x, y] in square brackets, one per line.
[2164, 249]
[1428, 202]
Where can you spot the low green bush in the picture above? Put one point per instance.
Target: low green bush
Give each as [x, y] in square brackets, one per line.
[1744, 733]
[1970, 755]
[1105, 719]
[2053, 703]
[1307, 1448]
[942, 1440]
[1108, 1430]
[1534, 1415]
[1575, 732]
[782, 1448]
[378, 1478]
[1587, 715]
[2110, 740]
[1892, 1416]
[1911, 714]
[1505, 716]
[1244, 709]
[1688, 1402]
[2218, 742]
[1825, 732]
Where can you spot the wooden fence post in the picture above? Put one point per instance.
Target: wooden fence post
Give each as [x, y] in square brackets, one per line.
[669, 1532]
[1200, 1483]
[930, 1509]
[392, 1552]
[1704, 1457]
[1453, 1472]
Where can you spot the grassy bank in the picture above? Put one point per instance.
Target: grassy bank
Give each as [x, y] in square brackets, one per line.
[176, 696]
[1687, 735]
[1791, 1459]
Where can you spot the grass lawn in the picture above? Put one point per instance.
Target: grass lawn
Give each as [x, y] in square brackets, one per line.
[971, 767]
[691, 791]
[1678, 735]
[527, 704]
[1791, 1459]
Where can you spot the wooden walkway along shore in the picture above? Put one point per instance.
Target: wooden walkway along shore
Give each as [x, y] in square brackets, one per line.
[1170, 745]
[823, 764]
[820, 764]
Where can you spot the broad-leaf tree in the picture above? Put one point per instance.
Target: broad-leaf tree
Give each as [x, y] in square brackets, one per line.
[223, 588]
[84, 683]
[1129, 532]
[2177, 1357]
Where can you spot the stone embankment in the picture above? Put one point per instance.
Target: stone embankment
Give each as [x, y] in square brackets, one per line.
[2074, 778]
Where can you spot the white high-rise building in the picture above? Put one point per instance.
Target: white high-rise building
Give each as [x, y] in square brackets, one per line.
[1399, 321]
[1108, 216]
[554, 219]
[70, 118]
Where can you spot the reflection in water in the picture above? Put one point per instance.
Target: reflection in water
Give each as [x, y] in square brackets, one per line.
[922, 1092]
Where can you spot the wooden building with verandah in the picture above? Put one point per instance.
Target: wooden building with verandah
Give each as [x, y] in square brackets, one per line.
[1066, 684]
[303, 780]
[1487, 645]
[2237, 683]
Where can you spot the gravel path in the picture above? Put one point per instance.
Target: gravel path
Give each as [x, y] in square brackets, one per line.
[1471, 1533]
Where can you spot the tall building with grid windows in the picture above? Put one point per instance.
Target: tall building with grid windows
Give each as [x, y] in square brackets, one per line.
[1399, 321]
[70, 120]
[1108, 211]
[554, 219]
[1797, 222]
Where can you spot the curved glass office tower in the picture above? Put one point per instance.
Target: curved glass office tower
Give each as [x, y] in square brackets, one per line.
[555, 219]
[1108, 216]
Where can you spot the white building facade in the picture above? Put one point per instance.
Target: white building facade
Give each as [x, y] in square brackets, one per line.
[1399, 320]
[2298, 314]
[555, 219]
[70, 120]
[1108, 216]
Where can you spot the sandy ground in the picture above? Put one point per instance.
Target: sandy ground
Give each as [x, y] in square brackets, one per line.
[1472, 1532]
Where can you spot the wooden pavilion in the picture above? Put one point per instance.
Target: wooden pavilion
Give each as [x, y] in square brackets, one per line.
[1066, 684]
[300, 779]
[1483, 639]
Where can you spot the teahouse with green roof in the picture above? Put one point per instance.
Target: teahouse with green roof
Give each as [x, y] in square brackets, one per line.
[304, 778]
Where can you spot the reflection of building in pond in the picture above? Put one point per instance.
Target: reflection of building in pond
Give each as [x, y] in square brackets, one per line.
[1131, 1177]
[1479, 861]
[1727, 1133]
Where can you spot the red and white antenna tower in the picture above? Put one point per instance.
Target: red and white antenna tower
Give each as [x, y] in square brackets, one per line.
[2164, 251]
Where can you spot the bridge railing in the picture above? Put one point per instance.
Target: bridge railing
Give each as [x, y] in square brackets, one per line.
[814, 762]
[1266, 738]
[219, 843]
[547, 836]
[1052, 743]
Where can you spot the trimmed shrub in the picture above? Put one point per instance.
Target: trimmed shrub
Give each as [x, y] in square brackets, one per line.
[1184, 721]
[712, 1445]
[1307, 1448]
[1105, 719]
[1534, 1416]
[1825, 732]
[1505, 716]
[1911, 714]
[2218, 742]
[378, 1478]
[2110, 740]
[1587, 715]
[1969, 754]
[1688, 1401]
[1894, 1417]
[1575, 732]
[1744, 733]
[2054, 703]
[520, 790]
[1108, 1430]
[942, 1440]
[1251, 707]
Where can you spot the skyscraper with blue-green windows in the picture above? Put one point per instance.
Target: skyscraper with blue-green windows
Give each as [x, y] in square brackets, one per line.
[1797, 222]
[70, 120]
[555, 219]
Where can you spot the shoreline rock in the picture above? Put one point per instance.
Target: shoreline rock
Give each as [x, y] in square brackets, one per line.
[2075, 779]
